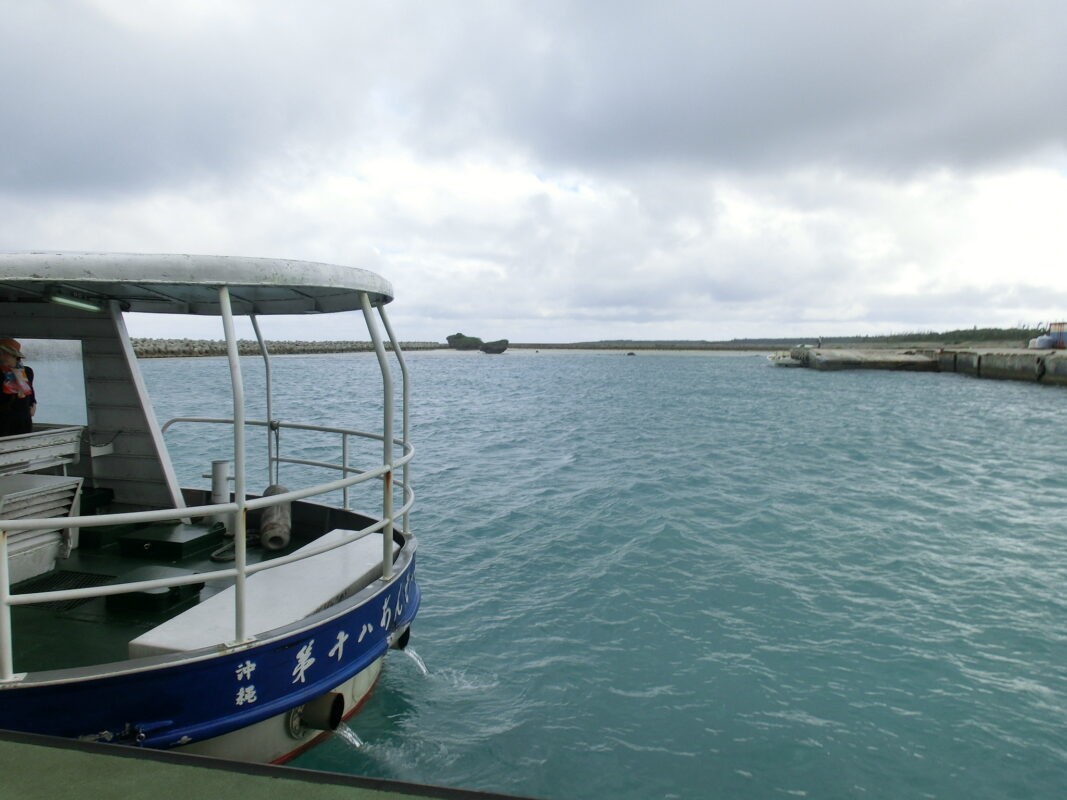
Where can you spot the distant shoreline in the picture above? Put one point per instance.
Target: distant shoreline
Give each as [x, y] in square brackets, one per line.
[202, 348]
[194, 348]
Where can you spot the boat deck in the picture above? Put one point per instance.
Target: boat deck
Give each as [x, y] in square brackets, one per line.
[93, 631]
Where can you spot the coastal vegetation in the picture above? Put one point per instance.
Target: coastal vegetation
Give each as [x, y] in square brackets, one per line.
[1015, 337]
[986, 337]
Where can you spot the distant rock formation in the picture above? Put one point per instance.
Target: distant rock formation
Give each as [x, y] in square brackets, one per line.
[458, 341]
[495, 348]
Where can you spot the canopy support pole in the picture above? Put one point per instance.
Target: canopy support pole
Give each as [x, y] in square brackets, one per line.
[239, 494]
[406, 394]
[387, 436]
[272, 429]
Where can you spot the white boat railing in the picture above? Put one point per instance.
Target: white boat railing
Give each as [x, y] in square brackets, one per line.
[241, 505]
[215, 509]
[274, 459]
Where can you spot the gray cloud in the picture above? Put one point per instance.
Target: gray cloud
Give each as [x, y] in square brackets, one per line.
[894, 87]
[898, 87]
[676, 169]
[92, 104]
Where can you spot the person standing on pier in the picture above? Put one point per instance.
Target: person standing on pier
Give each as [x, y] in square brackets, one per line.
[18, 403]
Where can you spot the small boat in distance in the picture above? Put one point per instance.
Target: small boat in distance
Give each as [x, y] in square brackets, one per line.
[221, 621]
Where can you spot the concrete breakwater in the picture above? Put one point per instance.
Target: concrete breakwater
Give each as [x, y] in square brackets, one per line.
[191, 348]
[627, 345]
[1036, 366]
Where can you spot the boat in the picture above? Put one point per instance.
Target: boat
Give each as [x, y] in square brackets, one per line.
[212, 621]
[1055, 339]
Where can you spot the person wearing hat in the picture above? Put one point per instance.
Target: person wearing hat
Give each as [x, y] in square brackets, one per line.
[18, 403]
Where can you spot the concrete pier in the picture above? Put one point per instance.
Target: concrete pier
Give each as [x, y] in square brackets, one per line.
[45, 768]
[1041, 366]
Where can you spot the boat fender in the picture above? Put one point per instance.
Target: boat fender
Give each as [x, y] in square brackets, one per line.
[324, 712]
[276, 524]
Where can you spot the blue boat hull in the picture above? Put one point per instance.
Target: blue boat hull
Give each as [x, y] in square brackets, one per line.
[171, 701]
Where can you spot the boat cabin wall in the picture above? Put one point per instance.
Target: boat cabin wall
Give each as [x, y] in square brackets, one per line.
[118, 413]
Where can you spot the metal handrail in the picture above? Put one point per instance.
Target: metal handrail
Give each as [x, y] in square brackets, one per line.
[198, 577]
[296, 426]
[167, 514]
[408, 450]
[273, 459]
[164, 514]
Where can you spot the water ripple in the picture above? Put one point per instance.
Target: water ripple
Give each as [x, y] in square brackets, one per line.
[684, 576]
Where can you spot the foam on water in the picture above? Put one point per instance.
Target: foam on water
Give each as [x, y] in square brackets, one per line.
[697, 576]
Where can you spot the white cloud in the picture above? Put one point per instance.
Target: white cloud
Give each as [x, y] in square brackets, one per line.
[559, 172]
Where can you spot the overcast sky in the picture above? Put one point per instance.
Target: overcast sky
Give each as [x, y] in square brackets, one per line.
[561, 171]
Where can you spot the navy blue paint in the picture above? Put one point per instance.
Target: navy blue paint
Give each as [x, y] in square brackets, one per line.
[190, 702]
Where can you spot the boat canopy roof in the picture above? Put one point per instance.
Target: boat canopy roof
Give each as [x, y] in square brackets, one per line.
[189, 284]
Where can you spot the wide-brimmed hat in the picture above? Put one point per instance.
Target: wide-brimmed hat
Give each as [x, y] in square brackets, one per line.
[11, 347]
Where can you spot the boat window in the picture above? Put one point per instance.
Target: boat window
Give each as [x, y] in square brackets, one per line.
[58, 379]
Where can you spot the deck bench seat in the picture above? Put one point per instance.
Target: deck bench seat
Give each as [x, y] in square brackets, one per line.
[34, 552]
[273, 597]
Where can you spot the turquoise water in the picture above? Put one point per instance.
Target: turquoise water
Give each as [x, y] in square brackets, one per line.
[700, 576]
